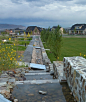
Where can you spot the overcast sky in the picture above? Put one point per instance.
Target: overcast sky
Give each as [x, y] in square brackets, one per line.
[43, 13]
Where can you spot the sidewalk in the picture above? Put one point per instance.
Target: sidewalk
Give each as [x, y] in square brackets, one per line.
[28, 52]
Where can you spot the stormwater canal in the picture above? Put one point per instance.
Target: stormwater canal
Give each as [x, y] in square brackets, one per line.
[55, 93]
[29, 92]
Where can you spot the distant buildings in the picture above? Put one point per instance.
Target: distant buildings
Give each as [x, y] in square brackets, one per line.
[15, 31]
[34, 30]
[79, 29]
[37, 30]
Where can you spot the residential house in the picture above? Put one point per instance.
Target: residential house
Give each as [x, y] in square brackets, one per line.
[8, 31]
[79, 29]
[61, 29]
[67, 30]
[19, 31]
[34, 29]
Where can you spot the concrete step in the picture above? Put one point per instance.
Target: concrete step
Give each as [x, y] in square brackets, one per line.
[36, 73]
[37, 81]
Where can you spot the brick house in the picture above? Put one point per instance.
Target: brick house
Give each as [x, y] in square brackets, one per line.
[79, 29]
[34, 29]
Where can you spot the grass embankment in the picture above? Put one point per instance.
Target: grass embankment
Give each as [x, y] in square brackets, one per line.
[70, 47]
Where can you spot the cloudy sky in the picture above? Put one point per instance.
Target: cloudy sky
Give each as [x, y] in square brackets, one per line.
[43, 13]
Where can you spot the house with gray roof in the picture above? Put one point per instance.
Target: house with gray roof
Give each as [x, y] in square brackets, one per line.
[34, 29]
[79, 29]
[61, 29]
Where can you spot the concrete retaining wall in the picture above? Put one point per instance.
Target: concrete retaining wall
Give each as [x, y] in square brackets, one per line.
[74, 70]
[58, 70]
[45, 58]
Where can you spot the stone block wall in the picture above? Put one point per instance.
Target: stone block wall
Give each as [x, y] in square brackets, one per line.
[74, 70]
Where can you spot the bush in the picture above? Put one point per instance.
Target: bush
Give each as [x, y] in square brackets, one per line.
[8, 42]
[7, 57]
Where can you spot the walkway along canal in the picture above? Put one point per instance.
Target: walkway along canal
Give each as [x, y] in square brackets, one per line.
[34, 85]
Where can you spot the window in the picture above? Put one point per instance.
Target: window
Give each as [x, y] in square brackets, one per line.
[77, 27]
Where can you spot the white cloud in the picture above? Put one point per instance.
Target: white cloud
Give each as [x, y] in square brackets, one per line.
[50, 10]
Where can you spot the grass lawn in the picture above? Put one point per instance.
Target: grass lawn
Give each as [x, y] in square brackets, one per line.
[23, 38]
[73, 47]
[20, 42]
[70, 47]
[20, 48]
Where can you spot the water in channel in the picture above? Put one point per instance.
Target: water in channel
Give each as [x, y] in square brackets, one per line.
[56, 92]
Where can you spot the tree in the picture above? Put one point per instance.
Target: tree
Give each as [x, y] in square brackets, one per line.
[25, 36]
[64, 31]
[57, 38]
[31, 33]
[3, 33]
[19, 32]
[74, 30]
[28, 35]
[53, 40]
[43, 35]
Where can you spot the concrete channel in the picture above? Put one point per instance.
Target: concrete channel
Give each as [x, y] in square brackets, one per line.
[35, 85]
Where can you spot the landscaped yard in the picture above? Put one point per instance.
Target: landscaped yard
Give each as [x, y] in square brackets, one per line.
[70, 47]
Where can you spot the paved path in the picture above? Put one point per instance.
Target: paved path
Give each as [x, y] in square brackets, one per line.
[28, 52]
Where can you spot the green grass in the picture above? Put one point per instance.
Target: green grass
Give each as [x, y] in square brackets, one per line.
[51, 56]
[4, 37]
[73, 47]
[23, 42]
[70, 47]
[49, 53]
[20, 48]
[23, 38]
[19, 42]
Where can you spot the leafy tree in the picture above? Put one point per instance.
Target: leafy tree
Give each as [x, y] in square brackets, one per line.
[53, 40]
[57, 38]
[28, 35]
[25, 36]
[31, 33]
[43, 35]
[50, 40]
[19, 32]
[74, 30]
[64, 31]
[3, 33]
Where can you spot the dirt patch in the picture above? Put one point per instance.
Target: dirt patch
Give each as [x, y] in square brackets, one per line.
[20, 53]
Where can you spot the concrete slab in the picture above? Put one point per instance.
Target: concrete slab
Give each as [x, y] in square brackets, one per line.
[58, 70]
[37, 47]
[2, 99]
[37, 66]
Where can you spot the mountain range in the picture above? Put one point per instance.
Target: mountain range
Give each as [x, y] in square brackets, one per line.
[11, 26]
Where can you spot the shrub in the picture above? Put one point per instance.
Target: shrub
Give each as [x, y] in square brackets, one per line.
[7, 57]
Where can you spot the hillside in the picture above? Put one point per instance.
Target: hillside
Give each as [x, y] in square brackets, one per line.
[11, 26]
